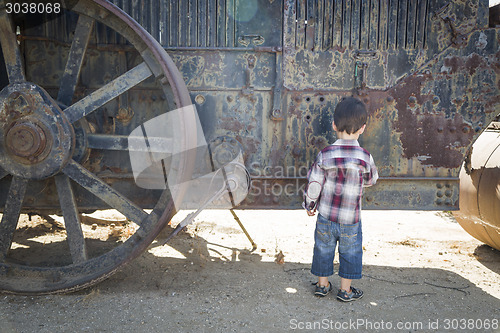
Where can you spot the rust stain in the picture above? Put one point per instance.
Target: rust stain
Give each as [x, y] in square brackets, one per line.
[251, 144]
[278, 151]
[433, 139]
[231, 124]
[319, 142]
[453, 64]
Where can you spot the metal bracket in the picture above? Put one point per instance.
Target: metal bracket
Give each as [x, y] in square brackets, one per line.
[360, 76]
[457, 39]
[248, 89]
[246, 40]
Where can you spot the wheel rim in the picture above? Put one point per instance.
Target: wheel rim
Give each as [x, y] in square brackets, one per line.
[36, 147]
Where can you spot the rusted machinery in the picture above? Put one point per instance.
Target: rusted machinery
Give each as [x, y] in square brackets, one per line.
[264, 77]
[479, 212]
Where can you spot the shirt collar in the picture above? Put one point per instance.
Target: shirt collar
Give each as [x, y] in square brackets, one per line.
[341, 142]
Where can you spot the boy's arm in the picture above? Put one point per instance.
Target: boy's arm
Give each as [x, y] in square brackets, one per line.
[316, 180]
[370, 178]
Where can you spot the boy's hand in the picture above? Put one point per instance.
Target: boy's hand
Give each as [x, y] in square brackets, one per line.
[311, 212]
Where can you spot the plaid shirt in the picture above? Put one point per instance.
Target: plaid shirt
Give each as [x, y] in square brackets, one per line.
[342, 170]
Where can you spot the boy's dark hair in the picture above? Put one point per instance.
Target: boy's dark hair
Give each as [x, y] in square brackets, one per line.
[350, 115]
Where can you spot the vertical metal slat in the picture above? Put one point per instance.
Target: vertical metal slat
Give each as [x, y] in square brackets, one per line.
[365, 25]
[327, 24]
[163, 12]
[383, 24]
[145, 19]
[173, 18]
[374, 13]
[356, 23]
[183, 12]
[337, 23]
[346, 24]
[211, 23]
[221, 23]
[312, 18]
[202, 23]
[155, 24]
[319, 25]
[193, 23]
[422, 19]
[411, 24]
[301, 27]
[230, 23]
[392, 24]
[401, 28]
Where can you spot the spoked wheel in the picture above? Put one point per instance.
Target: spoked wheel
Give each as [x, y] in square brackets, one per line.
[50, 138]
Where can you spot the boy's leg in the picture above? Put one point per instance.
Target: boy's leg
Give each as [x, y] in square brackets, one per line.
[345, 284]
[350, 255]
[350, 252]
[324, 251]
[323, 281]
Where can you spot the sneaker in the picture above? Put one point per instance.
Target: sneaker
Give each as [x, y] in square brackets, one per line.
[344, 296]
[322, 291]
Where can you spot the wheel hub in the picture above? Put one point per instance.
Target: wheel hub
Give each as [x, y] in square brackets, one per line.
[26, 140]
[36, 139]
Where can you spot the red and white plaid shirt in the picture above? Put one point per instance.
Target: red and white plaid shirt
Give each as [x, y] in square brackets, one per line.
[342, 170]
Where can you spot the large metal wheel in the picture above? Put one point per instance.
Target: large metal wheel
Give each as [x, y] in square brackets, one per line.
[48, 139]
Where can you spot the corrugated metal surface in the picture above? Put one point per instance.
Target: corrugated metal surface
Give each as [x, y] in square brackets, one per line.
[361, 24]
[187, 23]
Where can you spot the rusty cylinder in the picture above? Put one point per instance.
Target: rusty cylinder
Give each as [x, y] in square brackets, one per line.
[479, 203]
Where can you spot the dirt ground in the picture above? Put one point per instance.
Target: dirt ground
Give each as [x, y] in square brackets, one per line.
[422, 273]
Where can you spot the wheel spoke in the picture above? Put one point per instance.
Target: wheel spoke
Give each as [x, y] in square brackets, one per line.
[75, 59]
[131, 143]
[11, 214]
[10, 49]
[108, 92]
[104, 192]
[76, 240]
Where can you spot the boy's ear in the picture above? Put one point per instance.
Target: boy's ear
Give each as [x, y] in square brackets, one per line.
[362, 129]
[334, 127]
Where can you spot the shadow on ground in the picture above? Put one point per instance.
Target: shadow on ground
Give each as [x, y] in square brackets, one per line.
[489, 257]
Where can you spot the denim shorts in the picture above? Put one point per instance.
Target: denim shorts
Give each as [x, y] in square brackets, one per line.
[349, 238]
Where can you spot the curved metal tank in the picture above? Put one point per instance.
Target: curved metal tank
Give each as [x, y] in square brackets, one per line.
[479, 212]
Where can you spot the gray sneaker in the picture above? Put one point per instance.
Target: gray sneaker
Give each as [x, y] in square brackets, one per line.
[344, 296]
[322, 291]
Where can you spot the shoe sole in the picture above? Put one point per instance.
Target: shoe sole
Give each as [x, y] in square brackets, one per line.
[320, 295]
[349, 300]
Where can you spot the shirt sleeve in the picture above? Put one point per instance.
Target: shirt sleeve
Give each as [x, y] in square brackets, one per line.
[315, 175]
[370, 177]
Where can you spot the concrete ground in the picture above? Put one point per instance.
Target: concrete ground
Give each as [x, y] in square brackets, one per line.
[422, 273]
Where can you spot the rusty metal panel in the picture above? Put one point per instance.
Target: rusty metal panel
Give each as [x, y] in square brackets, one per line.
[429, 92]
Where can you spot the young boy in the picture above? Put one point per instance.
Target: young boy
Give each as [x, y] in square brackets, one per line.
[339, 173]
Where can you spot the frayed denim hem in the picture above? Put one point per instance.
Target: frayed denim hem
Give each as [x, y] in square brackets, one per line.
[318, 274]
[351, 276]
